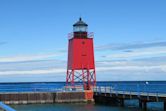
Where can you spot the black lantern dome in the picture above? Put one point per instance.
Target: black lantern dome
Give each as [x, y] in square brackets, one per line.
[80, 26]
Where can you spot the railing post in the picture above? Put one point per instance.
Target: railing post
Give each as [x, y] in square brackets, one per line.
[148, 96]
[105, 89]
[97, 90]
[100, 89]
[116, 92]
[94, 90]
[110, 91]
[123, 94]
[157, 99]
[138, 90]
[157, 96]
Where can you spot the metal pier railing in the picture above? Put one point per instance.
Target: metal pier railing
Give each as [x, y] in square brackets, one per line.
[110, 90]
[120, 93]
[133, 87]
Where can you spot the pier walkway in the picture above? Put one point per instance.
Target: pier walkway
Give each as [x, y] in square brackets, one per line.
[107, 94]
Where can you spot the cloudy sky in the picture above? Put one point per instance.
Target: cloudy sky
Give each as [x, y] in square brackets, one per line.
[129, 37]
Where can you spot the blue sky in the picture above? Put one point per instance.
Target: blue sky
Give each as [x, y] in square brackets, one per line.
[129, 37]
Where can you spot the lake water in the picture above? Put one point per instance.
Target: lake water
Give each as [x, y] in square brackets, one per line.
[136, 86]
[129, 106]
[71, 107]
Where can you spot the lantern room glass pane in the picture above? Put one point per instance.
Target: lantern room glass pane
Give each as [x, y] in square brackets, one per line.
[80, 29]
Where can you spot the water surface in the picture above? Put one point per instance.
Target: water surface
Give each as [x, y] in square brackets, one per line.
[70, 107]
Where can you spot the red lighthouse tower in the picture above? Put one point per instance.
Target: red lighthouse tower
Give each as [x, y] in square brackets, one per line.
[81, 65]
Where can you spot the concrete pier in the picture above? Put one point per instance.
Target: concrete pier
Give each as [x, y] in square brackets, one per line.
[44, 97]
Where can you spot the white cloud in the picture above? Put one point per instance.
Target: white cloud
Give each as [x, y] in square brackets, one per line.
[139, 53]
[25, 72]
[128, 46]
[20, 58]
[120, 69]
